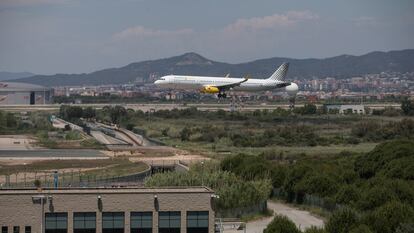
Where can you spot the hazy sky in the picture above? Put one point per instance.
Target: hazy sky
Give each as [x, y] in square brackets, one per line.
[74, 36]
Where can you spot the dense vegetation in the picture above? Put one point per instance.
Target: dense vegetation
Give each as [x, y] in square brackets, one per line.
[365, 191]
[260, 128]
[31, 122]
[234, 192]
[373, 191]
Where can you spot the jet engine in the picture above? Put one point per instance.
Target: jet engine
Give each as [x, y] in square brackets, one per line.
[210, 90]
[292, 89]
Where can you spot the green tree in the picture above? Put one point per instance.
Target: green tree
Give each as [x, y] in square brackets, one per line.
[387, 218]
[361, 229]
[165, 131]
[281, 224]
[314, 229]
[309, 109]
[116, 113]
[347, 194]
[11, 120]
[89, 113]
[318, 184]
[342, 221]
[407, 106]
[405, 228]
[69, 112]
[185, 134]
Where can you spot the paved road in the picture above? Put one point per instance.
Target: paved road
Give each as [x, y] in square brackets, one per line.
[52, 153]
[302, 219]
[17, 142]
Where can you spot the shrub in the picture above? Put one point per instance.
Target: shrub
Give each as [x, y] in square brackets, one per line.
[317, 184]
[342, 221]
[37, 183]
[233, 191]
[281, 224]
[347, 195]
[387, 218]
[407, 106]
[185, 134]
[405, 228]
[314, 229]
[375, 197]
[130, 126]
[361, 229]
[369, 164]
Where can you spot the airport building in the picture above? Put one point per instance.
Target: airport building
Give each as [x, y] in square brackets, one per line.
[12, 93]
[345, 108]
[107, 210]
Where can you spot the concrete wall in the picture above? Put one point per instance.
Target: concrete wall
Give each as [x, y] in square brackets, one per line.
[18, 209]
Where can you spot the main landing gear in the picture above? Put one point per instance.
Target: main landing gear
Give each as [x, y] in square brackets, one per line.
[292, 101]
[222, 95]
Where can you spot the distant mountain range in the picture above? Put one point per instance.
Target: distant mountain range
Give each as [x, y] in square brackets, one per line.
[14, 75]
[194, 64]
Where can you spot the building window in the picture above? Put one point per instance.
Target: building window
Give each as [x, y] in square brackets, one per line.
[56, 223]
[112, 222]
[197, 222]
[4, 229]
[27, 229]
[16, 229]
[84, 222]
[169, 222]
[141, 222]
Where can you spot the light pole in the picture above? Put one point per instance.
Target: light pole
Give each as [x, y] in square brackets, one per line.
[24, 164]
[202, 173]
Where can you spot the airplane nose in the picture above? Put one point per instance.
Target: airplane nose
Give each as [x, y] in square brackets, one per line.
[157, 82]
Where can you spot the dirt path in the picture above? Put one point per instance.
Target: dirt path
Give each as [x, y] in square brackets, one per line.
[302, 219]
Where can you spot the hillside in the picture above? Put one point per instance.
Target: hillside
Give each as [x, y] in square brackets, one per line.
[194, 64]
[14, 75]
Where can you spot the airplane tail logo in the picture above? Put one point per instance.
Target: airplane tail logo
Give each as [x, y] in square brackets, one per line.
[280, 73]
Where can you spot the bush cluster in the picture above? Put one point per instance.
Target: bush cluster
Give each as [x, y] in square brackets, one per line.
[376, 188]
[234, 192]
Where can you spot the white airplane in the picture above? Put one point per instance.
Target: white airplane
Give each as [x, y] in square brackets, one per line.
[219, 85]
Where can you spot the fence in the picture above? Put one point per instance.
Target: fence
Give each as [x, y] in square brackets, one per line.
[70, 179]
[306, 199]
[242, 211]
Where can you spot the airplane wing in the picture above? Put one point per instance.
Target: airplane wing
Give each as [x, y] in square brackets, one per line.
[231, 85]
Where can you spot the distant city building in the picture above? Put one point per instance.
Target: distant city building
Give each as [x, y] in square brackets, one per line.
[13, 93]
[107, 210]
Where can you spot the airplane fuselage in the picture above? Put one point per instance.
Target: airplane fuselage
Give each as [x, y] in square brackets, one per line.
[199, 82]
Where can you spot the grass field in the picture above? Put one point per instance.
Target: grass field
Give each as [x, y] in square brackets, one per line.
[327, 127]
